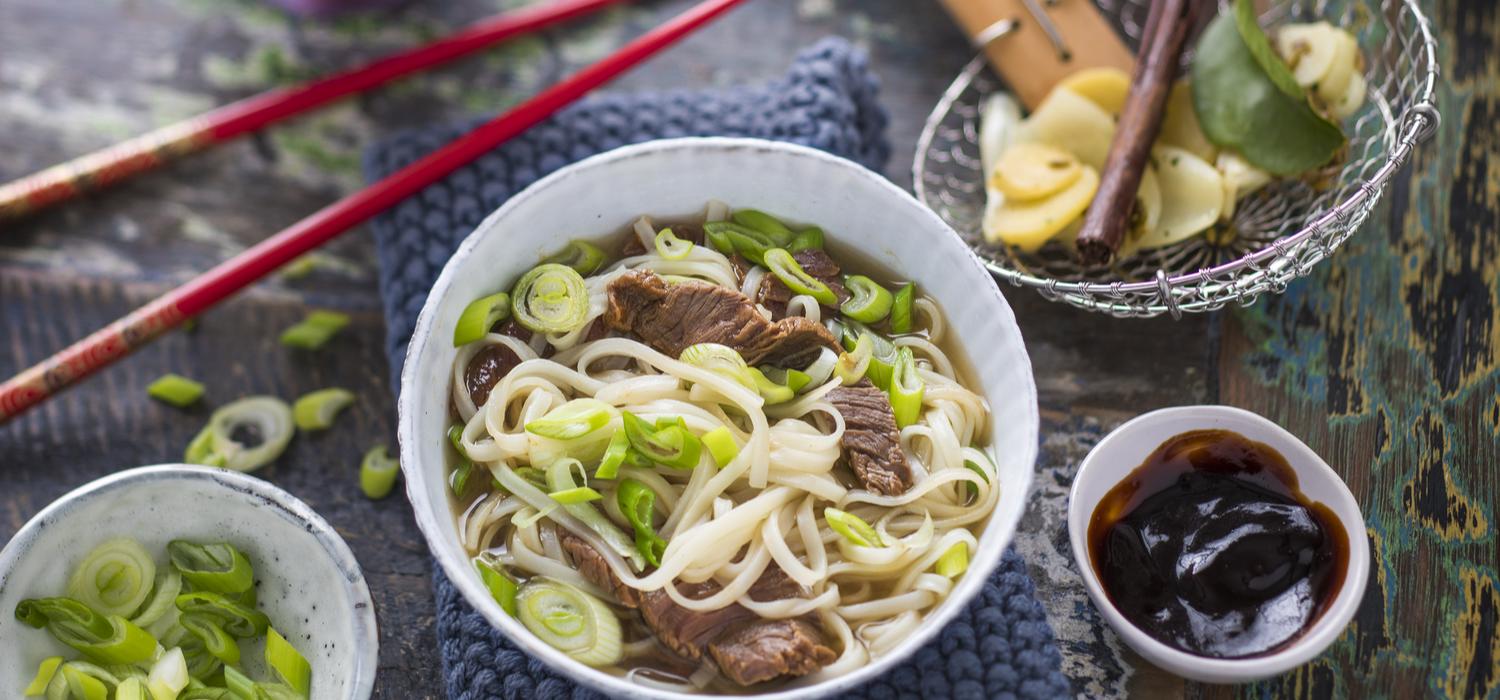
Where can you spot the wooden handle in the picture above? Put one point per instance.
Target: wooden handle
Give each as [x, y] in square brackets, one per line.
[1048, 42]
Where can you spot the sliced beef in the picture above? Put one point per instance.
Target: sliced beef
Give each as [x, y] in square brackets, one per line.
[748, 648]
[871, 442]
[768, 649]
[814, 262]
[486, 369]
[686, 232]
[672, 317]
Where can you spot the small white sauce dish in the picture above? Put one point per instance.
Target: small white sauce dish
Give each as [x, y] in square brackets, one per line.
[1128, 446]
[307, 580]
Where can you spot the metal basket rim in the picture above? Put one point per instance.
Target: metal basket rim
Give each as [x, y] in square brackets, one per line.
[1418, 122]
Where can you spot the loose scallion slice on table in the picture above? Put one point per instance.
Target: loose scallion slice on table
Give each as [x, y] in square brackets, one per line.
[216, 567]
[300, 268]
[316, 410]
[288, 663]
[853, 528]
[377, 473]
[584, 257]
[479, 317]
[44, 674]
[672, 446]
[115, 578]
[106, 639]
[638, 502]
[315, 331]
[571, 621]
[572, 420]
[729, 238]
[907, 389]
[764, 223]
[669, 246]
[721, 445]
[264, 417]
[954, 561]
[869, 303]
[176, 390]
[501, 587]
[550, 298]
[901, 305]
[790, 272]
[809, 238]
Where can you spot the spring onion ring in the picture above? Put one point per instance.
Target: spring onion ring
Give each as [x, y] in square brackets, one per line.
[269, 416]
[479, 317]
[954, 561]
[83, 686]
[106, 639]
[721, 445]
[901, 308]
[883, 354]
[315, 331]
[772, 392]
[501, 587]
[201, 450]
[669, 246]
[163, 597]
[115, 578]
[575, 495]
[730, 238]
[852, 365]
[377, 473]
[134, 689]
[764, 223]
[853, 528]
[572, 420]
[670, 446]
[570, 620]
[169, 675]
[276, 691]
[616, 454]
[44, 674]
[870, 302]
[808, 239]
[237, 619]
[288, 663]
[176, 390]
[790, 272]
[216, 567]
[584, 257]
[638, 502]
[238, 683]
[550, 298]
[561, 477]
[316, 410]
[907, 389]
[720, 359]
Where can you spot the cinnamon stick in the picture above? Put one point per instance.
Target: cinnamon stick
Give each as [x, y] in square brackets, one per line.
[1169, 22]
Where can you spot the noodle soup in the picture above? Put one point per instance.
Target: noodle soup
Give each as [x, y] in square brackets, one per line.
[717, 458]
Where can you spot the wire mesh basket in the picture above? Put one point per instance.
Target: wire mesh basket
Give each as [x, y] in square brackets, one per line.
[1278, 233]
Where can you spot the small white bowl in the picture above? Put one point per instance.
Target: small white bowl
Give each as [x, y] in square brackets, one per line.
[307, 579]
[1128, 446]
[676, 178]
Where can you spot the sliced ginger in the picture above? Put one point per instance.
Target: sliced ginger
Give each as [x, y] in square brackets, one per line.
[1030, 224]
[1029, 171]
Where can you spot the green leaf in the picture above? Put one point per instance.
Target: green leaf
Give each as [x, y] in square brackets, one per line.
[1241, 108]
[1259, 46]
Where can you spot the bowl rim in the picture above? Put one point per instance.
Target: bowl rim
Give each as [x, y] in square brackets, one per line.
[366, 639]
[456, 567]
[1309, 467]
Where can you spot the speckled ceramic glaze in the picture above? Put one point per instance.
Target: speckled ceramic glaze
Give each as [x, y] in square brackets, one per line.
[675, 178]
[308, 581]
[1129, 445]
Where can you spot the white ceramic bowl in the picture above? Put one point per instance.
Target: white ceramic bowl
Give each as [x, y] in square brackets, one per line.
[1129, 445]
[675, 178]
[308, 581]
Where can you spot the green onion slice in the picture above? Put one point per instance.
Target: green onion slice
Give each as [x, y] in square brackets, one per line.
[134, 689]
[870, 302]
[671, 446]
[721, 445]
[479, 317]
[169, 675]
[852, 365]
[163, 596]
[973, 457]
[882, 352]
[115, 578]
[314, 331]
[83, 686]
[201, 450]
[238, 683]
[277, 691]
[567, 474]
[615, 455]
[578, 494]
[236, 618]
[906, 389]
[268, 417]
[175, 389]
[463, 467]
[316, 411]
[790, 272]
[550, 298]
[954, 561]
[571, 621]
[107, 639]
[730, 238]
[793, 379]
[764, 223]
[901, 308]
[809, 238]
[669, 246]
[44, 674]
[216, 567]
[572, 420]
[638, 503]
[289, 664]
[853, 528]
[584, 257]
[720, 359]
[377, 473]
[772, 392]
[501, 587]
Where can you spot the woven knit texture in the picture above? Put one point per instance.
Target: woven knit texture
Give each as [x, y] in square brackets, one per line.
[1000, 646]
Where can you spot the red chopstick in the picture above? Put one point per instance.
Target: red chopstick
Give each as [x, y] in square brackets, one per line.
[155, 318]
[123, 160]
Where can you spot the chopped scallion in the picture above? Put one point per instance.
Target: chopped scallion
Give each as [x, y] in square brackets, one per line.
[638, 503]
[572, 420]
[672, 446]
[216, 567]
[790, 272]
[571, 621]
[764, 223]
[770, 391]
[907, 389]
[870, 302]
[479, 317]
[577, 494]
[289, 664]
[44, 674]
[315, 331]
[721, 445]
[720, 359]
[669, 246]
[901, 307]
[614, 456]
[954, 561]
[176, 390]
[853, 528]
[316, 411]
[584, 257]
[114, 578]
[550, 298]
[729, 238]
[377, 473]
[852, 365]
[501, 587]
[809, 238]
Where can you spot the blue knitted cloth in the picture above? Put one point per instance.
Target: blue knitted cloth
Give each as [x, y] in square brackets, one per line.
[1000, 647]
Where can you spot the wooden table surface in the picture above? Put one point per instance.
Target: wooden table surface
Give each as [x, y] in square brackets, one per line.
[1386, 359]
